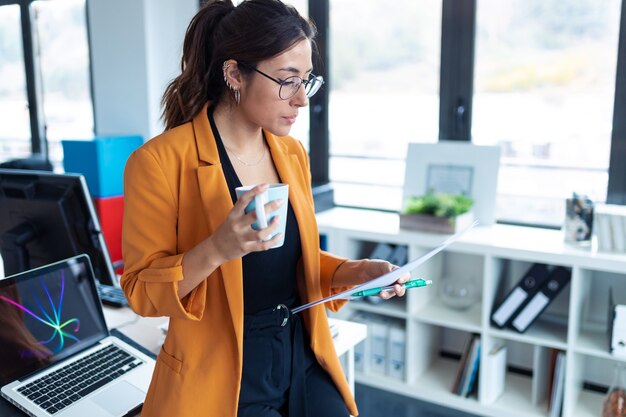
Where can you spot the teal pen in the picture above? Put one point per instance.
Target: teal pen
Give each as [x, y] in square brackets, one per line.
[415, 283]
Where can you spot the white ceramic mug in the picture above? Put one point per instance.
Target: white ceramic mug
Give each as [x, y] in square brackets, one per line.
[274, 192]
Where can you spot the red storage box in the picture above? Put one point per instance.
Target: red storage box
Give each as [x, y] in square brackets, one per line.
[110, 212]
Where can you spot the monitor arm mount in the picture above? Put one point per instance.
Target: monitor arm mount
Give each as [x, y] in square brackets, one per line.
[15, 241]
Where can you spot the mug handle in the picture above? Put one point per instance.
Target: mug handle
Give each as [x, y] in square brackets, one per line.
[260, 200]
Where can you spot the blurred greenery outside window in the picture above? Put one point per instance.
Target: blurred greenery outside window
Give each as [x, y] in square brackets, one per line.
[544, 90]
[384, 93]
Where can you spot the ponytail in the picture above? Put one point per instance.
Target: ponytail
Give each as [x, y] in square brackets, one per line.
[253, 31]
[185, 96]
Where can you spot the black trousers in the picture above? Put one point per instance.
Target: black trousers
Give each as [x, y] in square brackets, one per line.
[281, 377]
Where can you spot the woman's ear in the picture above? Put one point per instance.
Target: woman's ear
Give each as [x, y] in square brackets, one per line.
[232, 75]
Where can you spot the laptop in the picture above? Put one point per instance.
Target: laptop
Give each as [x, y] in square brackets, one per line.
[57, 357]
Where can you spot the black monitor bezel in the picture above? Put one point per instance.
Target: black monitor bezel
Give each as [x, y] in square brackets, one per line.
[85, 195]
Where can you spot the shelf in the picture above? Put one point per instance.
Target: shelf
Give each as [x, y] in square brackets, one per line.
[589, 404]
[495, 254]
[532, 244]
[437, 313]
[593, 343]
[432, 386]
[515, 400]
[539, 333]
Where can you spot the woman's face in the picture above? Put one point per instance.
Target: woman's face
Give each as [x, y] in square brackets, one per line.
[260, 103]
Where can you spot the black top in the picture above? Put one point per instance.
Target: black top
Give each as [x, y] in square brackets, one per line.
[269, 277]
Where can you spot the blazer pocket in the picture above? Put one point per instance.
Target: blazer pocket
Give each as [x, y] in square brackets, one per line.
[170, 361]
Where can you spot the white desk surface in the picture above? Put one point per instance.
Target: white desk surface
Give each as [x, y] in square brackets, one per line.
[146, 332]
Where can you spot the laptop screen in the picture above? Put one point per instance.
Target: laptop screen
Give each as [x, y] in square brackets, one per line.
[47, 314]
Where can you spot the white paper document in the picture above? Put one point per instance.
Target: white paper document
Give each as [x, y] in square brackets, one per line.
[390, 277]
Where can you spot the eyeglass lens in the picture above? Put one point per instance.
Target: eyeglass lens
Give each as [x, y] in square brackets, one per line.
[291, 85]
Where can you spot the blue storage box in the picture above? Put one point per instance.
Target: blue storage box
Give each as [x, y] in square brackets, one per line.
[101, 160]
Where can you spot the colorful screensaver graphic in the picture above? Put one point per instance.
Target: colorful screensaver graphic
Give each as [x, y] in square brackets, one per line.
[51, 317]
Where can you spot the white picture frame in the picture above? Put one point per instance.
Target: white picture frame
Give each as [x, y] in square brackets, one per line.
[455, 167]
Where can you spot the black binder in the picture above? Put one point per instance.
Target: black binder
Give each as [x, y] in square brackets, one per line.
[526, 288]
[558, 279]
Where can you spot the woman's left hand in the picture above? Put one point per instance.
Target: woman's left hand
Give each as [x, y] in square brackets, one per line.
[374, 268]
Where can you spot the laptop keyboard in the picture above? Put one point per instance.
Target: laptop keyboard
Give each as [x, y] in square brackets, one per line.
[59, 389]
[112, 296]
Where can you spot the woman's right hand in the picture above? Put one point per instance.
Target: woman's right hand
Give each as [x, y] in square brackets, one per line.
[235, 237]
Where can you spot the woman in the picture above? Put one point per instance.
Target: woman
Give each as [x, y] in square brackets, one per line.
[190, 252]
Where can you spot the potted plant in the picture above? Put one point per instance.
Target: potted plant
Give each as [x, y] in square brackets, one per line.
[437, 212]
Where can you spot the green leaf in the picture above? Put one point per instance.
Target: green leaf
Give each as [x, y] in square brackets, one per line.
[438, 204]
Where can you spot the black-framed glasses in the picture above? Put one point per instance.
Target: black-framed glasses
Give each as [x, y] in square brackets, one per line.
[290, 85]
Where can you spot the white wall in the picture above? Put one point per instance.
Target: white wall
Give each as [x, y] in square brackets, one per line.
[136, 46]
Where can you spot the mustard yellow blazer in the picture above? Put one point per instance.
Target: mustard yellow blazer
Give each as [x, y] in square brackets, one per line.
[175, 195]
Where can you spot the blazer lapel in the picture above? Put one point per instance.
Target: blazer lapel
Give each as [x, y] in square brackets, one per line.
[217, 204]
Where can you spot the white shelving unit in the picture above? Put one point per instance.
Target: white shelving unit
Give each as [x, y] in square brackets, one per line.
[496, 256]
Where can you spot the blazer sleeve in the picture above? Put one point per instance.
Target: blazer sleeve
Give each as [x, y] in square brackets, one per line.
[329, 263]
[152, 266]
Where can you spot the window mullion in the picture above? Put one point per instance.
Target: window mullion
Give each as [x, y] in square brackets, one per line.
[33, 81]
[457, 69]
[617, 168]
[318, 104]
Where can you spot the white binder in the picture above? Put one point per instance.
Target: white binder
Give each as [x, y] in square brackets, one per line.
[396, 349]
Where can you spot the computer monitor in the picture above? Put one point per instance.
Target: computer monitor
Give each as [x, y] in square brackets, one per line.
[46, 217]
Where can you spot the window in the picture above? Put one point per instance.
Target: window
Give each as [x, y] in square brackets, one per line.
[44, 78]
[384, 93]
[544, 92]
[67, 104]
[15, 126]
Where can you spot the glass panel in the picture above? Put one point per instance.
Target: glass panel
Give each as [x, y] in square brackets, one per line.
[15, 138]
[384, 86]
[67, 104]
[545, 92]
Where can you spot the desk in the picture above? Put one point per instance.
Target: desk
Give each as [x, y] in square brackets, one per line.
[146, 331]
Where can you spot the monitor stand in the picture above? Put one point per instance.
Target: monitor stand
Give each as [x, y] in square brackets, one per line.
[14, 251]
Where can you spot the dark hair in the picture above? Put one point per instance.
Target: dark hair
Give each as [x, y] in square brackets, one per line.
[253, 31]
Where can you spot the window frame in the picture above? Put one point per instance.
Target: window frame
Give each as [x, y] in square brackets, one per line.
[34, 90]
[616, 193]
[456, 90]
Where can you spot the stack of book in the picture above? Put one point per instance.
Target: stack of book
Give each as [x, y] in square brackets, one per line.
[466, 379]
